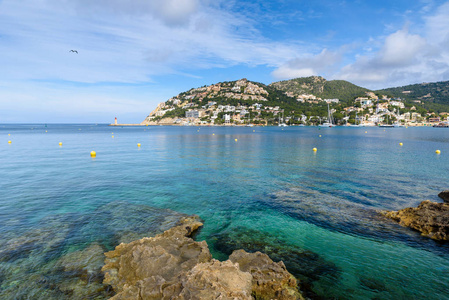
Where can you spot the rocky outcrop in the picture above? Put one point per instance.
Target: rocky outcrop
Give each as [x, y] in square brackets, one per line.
[172, 265]
[430, 218]
[270, 280]
[444, 195]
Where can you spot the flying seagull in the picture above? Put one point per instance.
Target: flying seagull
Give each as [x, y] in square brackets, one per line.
[74, 51]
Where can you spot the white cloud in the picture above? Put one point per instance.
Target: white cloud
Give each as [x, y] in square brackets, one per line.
[405, 58]
[308, 65]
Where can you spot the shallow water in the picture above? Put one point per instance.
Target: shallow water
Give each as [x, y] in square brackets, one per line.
[266, 191]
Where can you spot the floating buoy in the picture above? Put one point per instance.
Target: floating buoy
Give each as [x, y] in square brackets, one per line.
[400, 144]
[366, 131]
[45, 130]
[93, 153]
[112, 136]
[213, 133]
[254, 131]
[138, 144]
[60, 143]
[236, 140]
[320, 135]
[315, 149]
[9, 134]
[437, 151]
[9, 142]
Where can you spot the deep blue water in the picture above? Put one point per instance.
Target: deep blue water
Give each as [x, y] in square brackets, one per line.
[260, 188]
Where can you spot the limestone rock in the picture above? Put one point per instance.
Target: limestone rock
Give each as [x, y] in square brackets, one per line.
[171, 265]
[270, 280]
[167, 255]
[216, 280]
[431, 218]
[444, 195]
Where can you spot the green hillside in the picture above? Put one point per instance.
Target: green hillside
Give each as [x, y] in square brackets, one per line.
[322, 88]
[433, 96]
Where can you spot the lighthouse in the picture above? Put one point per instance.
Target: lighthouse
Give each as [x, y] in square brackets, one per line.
[115, 121]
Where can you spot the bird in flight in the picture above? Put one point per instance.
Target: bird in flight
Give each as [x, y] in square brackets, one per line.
[74, 51]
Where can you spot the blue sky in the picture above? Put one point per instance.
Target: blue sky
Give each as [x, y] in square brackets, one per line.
[134, 54]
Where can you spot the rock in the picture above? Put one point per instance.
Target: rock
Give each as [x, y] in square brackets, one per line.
[444, 195]
[430, 218]
[172, 265]
[158, 260]
[270, 280]
[216, 280]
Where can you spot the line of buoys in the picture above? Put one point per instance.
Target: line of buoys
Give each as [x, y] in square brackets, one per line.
[437, 151]
[315, 149]
[93, 153]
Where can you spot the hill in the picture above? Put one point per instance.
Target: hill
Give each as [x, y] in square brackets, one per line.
[320, 87]
[252, 100]
[433, 96]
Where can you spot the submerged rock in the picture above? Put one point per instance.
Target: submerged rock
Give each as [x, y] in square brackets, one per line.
[444, 195]
[430, 218]
[61, 256]
[172, 265]
[307, 266]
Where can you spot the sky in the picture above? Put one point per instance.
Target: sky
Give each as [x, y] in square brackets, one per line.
[135, 54]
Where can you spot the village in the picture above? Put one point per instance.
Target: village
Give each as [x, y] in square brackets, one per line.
[243, 103]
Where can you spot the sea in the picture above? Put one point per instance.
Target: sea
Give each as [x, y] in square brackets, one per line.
[255, 188]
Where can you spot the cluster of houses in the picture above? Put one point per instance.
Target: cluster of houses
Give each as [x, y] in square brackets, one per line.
[199, 109]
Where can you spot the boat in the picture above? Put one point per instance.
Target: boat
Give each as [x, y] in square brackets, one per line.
[329, 123]
[441, 125]
[386, 125]
[282, 124]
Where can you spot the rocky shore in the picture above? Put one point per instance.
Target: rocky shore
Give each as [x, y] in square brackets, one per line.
[172, 265]
[430, 218]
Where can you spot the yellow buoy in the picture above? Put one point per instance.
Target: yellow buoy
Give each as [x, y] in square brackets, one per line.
[93, 153]
[314, 149]
[138, 144]
[45, 130]
[9, 134]
[254, 131]
[60, 143]
[9, 142]
[366, 131]
[400, 144]
[213, 133]
[112, 136]
[437, 151]
[320, 135]
[236, 140]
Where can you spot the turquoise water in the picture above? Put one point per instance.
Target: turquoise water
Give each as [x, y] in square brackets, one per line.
[268, 191]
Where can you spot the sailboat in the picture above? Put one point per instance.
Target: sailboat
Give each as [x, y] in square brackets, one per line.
[282, 124]
[329, 119]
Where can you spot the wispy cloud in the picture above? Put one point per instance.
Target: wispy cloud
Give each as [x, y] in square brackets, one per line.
[404, 57]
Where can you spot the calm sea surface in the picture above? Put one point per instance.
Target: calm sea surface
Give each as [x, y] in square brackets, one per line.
[255, 188]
